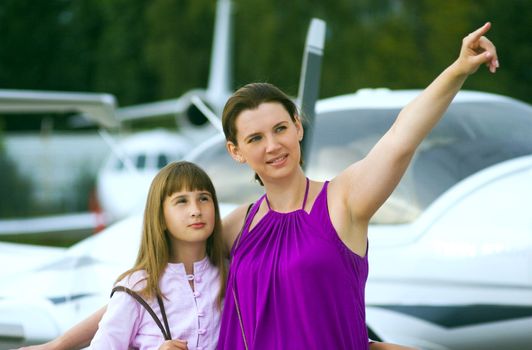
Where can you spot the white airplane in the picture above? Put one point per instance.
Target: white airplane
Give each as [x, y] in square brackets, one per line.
[451, 250]
[44, 291]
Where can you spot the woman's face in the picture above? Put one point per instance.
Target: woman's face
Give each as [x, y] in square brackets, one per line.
[268, 141]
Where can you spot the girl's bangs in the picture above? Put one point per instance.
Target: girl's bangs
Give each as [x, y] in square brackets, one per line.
[187, 178]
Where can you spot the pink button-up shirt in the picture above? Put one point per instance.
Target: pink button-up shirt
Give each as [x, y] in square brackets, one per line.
[192, 314]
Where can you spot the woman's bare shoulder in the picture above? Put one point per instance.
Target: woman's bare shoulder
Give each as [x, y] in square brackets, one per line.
[233, 222]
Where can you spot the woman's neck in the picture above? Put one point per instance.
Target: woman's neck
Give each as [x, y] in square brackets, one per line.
[286, 195]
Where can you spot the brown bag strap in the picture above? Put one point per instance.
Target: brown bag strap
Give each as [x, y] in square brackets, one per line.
[166, 329]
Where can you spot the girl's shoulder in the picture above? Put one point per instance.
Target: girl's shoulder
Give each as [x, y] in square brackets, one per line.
[135, 280]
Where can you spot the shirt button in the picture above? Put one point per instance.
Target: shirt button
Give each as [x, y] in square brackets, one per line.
[197, 294]
[201, 331]
[197, 279]
[201, 314]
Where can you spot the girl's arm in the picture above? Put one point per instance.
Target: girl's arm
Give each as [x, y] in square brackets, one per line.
[364, 186]
[77, 337]
[119, 325]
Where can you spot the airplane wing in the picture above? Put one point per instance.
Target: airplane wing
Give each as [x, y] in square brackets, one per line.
[52, 224]
[47, 290]
[22, 319]
[16, 258]
[97, 107]
[160, 108]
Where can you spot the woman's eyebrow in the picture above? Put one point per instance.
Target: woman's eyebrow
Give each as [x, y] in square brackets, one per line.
[251, 135]
[279, 124]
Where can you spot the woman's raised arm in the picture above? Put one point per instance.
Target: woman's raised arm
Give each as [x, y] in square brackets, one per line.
[366, 184]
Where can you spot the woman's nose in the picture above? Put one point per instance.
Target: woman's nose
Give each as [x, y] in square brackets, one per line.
[271, 144]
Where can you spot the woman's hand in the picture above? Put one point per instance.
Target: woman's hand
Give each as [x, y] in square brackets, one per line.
[476, 50]
[175, 344]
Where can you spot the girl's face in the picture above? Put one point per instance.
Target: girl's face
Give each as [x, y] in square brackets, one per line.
[268, 140]
[189, 216]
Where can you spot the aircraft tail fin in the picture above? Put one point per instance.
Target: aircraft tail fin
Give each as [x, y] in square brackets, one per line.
[309, 82]
[220, 73]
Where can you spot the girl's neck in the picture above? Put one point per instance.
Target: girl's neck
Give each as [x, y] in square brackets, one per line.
[286, 195]
[188, 254]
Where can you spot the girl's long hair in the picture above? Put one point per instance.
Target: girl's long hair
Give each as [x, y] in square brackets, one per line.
[154, 251]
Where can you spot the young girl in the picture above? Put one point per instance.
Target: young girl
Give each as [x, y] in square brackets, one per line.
[180, 262]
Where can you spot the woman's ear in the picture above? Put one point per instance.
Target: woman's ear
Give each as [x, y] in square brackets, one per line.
[234, 152]
[299, 127]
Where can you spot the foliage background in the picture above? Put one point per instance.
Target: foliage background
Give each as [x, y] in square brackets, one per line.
[143, 50]
[148, 50]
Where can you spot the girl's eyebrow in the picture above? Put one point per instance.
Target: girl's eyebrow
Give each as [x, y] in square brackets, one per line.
[175, 196]
[184, 195]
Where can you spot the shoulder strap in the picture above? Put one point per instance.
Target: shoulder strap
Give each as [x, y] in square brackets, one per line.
[242, 228]
[166, 330]
[234, 293]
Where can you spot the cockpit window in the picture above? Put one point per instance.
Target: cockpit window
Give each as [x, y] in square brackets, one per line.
[140, 161]
[162, 160]
[470, 137]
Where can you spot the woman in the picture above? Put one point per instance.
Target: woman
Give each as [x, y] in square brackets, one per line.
[299, 265]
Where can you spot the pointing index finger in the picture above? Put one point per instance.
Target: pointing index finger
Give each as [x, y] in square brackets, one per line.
[477, 34]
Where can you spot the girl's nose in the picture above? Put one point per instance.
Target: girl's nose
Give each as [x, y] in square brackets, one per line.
[195, 210]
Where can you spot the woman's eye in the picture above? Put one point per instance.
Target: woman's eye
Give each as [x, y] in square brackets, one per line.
[254, 139]
[280, 128]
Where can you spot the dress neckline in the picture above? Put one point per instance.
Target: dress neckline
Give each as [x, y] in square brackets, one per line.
[302, 206]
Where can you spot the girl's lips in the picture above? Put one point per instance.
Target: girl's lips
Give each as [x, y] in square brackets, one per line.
[198, 225]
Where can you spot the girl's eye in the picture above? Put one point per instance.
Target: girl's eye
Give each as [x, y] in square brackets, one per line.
[181, 201]
[204, 198]
[280, 128]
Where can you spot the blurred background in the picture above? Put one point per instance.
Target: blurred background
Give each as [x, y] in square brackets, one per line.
[144, 51]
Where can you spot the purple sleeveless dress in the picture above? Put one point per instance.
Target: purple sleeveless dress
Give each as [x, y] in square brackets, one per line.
[293, 284]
